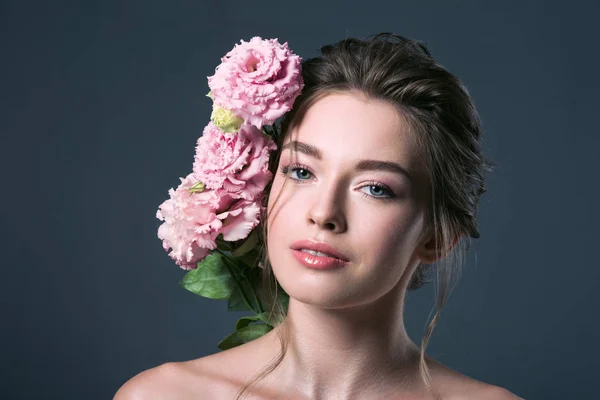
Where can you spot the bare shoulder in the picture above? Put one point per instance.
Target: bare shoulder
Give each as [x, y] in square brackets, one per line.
[173, 380]
[479, 391]
[491, 392]
[150, 384]
[457, 386]
[472, 389]
[142, 385]
[215, 376]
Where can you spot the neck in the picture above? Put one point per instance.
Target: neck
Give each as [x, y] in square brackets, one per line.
[341, 353]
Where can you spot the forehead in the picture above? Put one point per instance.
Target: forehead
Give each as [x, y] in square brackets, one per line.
[349, 126]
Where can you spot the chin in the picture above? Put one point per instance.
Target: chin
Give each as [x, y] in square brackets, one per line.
[327, 302]
[323, 289]
[309, 286]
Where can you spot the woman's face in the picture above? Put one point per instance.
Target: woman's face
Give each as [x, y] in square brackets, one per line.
[346, 188]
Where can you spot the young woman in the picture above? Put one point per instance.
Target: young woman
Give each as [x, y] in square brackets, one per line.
[377, 179]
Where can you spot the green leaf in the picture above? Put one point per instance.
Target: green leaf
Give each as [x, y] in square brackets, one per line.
[244, 335]
[245, 321]
[222, 244]
[248, 245]
[211, 279]
[250, 259]
[236, 301]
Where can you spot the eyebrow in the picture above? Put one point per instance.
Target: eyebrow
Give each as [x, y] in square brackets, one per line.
[361, 165]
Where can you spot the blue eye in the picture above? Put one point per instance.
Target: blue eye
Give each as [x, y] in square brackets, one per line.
[302, 173]
[378, 191]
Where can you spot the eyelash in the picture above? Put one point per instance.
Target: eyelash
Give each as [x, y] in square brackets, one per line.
[294, 167]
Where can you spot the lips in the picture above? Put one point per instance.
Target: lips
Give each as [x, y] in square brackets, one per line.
[319, 247]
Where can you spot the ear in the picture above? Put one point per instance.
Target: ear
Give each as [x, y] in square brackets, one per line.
[429, 250]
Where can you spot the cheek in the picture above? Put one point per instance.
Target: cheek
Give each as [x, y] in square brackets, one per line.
[284, 210]
[390, 235]
[275, 202]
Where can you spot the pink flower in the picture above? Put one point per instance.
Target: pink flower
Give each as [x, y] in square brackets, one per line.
[191, 223]
[257, 80]
[238, 222]
[236, 163]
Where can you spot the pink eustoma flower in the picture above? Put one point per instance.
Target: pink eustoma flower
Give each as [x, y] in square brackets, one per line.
[192, 222]
[237, 163]
[257, 80]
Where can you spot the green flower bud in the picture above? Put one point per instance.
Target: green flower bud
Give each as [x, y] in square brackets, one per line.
[225, 120]
[197, 188]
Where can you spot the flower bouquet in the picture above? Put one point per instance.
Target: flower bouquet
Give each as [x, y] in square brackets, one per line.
[210, 221]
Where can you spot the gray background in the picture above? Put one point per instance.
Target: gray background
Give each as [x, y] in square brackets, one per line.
[101, 106]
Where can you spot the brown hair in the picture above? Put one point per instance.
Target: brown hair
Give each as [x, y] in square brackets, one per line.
[447, 128]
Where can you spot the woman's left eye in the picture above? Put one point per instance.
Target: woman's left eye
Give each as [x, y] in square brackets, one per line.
[378, 191]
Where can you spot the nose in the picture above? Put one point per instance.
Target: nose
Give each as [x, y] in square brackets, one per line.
[327, 210]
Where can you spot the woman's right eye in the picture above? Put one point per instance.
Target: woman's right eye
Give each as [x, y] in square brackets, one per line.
[296, 172]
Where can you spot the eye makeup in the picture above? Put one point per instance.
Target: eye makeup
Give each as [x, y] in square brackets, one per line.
[287, 171]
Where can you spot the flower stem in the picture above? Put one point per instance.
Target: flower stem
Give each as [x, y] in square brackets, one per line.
[237, 284]
[232, 264]
[258, 303]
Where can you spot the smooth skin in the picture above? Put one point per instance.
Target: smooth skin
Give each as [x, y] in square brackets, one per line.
[348, 335]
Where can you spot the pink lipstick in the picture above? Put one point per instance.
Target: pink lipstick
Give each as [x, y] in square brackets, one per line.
[318, 255]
